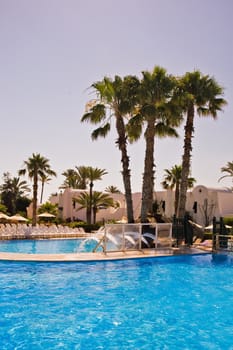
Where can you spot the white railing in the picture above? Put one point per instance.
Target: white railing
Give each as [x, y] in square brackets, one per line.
[125, 237]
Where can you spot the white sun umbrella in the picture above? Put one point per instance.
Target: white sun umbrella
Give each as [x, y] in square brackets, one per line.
[18, 218]
[210, 227]
[4, 216]
[46, 215]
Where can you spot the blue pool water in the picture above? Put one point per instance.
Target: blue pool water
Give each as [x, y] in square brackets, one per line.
[158, 303]
[48, 246]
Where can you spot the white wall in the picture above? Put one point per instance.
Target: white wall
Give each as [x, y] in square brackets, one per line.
[210, 202]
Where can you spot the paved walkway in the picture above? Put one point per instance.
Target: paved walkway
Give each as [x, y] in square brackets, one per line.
[80, 257]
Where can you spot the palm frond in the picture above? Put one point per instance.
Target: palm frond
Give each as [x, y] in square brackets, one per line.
[96, 114]
[163, 130]
[134, 127]
[101, 131]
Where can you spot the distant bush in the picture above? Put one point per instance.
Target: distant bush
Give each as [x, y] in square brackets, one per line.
[228, 221]
[85, 226]
[75, 224]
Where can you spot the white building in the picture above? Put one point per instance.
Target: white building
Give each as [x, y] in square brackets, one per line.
[203, 204]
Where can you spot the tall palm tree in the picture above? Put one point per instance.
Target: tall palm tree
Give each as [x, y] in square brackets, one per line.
[70, 179]
[76, 178]
[36, 166]
[228, 169]
[45, 178]
[160, 114]
[82, 176]
[200, 95]
[172, 180]
[115, 98]
[93, 174]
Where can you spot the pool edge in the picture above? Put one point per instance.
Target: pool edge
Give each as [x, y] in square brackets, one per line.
[98, 256]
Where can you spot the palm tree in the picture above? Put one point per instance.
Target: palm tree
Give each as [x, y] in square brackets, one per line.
[228, 169]
[84, 203]
[101, 201]
[70, 179]
[76, 178]
[98, 201]
[36, 166]
[172, 180]
[112, 189]
[93, 174]
[200, 94]
[49, 208]
[82, 176]
[159, 112]
[11, 191]
[45, 178]
[115, 98]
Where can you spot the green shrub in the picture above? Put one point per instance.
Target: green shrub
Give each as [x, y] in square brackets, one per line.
[85, 226]
[228, 221]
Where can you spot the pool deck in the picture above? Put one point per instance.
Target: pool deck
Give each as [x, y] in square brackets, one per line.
[99, 256]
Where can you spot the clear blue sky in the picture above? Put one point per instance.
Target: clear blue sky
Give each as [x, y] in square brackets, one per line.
[53, 50]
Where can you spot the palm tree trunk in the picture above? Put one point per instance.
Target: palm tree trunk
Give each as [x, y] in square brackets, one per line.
[94, 214]
[89, 211]
[13, 202]
[34, 200]
[42, 191]
[88, 215]
[148, 175]
[186, 160]
[177, 195]
[121, 141]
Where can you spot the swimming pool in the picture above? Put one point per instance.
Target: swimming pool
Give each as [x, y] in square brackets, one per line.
[183, 302]
[48, 246]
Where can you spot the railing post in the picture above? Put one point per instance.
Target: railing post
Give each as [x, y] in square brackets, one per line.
[140, 236]
[105, 239]
[123, 238]
[156, 235]
[214, 235]
[188, 231]
[175, 229]
[224, 233]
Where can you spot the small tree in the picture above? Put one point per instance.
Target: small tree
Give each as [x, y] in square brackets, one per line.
[97, 201]
[207, 210]
[49, 208]
[172, 180]
[36, 167]
[12, 190]
[112, 189]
